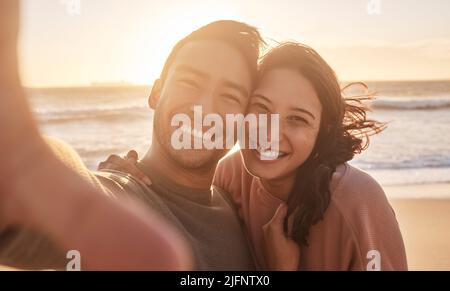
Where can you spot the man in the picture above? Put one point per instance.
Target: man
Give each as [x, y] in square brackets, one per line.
[214, 67]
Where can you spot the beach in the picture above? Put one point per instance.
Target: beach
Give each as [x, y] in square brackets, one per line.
[424, 223]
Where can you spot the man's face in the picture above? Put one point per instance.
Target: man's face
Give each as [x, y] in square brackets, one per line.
[210, 74]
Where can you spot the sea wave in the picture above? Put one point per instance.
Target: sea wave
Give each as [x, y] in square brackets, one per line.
[405, 103]
[434, 162]
[102, 112]
[95, 108]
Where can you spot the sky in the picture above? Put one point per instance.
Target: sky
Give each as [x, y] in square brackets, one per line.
[65, 44]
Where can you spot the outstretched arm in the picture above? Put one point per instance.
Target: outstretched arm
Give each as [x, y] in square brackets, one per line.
[37, 190]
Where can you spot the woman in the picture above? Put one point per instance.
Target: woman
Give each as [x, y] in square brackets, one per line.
[308, 198]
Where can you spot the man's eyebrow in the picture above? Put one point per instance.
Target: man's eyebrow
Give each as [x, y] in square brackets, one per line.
[304, 111]
[192, 70]
[237, 87]
[262, 97]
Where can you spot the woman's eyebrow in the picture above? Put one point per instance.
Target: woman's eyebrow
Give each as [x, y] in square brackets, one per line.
[302, 110]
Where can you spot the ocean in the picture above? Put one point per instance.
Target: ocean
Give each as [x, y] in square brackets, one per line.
[414, 149]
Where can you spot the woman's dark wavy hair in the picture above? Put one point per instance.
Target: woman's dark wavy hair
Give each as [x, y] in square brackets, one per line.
[344, 132]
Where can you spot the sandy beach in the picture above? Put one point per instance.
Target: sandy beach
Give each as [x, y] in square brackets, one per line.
[424, 223]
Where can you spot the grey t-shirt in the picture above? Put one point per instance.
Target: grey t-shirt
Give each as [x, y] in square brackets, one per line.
[206, 217]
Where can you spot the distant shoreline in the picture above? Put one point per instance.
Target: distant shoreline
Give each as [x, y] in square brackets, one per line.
[87, 88]
[132, 85]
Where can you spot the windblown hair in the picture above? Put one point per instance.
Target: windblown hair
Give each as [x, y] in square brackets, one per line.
[245, 38]
[344, 132]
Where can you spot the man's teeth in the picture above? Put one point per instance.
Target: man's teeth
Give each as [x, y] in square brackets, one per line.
[197, 134]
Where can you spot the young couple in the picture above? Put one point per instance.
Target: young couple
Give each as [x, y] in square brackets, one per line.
[305, 210]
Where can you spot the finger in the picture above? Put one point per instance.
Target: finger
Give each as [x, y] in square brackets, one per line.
[280, 215]
[114, 159]
[131, 160]
[106, 166]
[277, 222]
[101, 166]
[133, 155]
[138, 174]
[122, 164]
[109, 166]
[114, 162]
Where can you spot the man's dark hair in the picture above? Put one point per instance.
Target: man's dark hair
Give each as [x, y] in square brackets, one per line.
[239, 35]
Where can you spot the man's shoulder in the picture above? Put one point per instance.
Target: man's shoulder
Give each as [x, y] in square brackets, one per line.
[124, 185]
[120, 183]
[223, 195]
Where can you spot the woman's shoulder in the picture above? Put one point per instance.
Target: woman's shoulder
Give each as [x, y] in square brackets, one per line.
[351, 182]
[359, 202]
[355, 192]
[229, 171]
[232, 160]
[230, 167]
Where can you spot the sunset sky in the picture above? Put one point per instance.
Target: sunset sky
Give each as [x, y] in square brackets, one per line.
[115, 40]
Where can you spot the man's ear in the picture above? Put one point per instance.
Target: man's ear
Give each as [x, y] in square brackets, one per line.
[155, 94]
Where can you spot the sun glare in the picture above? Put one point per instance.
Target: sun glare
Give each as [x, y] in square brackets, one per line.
[169, 28]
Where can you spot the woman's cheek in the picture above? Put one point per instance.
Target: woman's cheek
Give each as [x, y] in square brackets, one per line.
[303, 145]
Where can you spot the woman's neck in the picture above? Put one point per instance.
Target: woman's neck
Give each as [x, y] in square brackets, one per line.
[280, 188]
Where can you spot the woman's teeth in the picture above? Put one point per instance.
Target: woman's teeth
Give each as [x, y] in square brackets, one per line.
[270, 155]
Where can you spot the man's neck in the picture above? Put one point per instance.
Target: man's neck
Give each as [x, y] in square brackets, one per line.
[191, 178]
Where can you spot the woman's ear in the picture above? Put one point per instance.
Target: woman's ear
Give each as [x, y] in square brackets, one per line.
[155, 94]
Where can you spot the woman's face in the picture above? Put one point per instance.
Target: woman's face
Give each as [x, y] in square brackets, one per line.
[287, 93]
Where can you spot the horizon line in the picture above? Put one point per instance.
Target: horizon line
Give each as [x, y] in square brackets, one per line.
[101, 85]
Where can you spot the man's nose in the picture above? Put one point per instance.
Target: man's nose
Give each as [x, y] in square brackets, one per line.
[207, 103]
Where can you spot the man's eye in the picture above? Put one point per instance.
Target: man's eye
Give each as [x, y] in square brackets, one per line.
[231, 97]
[188, 83]
[260, 107]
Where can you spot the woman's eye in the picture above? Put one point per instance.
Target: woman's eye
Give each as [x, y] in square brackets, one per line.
[298, 119]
